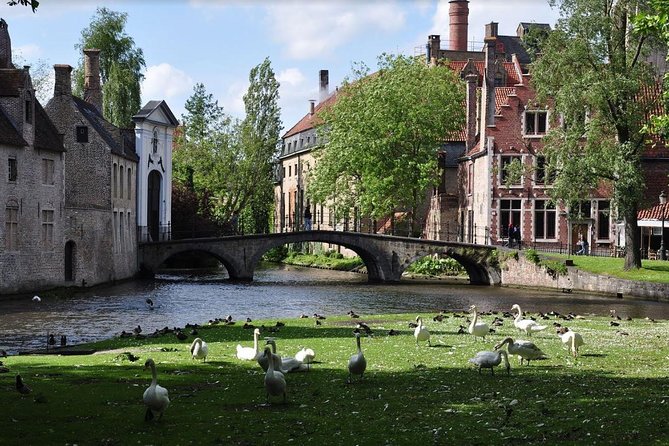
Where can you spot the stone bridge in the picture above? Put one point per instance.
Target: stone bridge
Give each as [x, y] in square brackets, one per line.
[386, 257]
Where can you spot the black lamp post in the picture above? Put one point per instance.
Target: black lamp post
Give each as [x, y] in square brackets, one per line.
[663, 253]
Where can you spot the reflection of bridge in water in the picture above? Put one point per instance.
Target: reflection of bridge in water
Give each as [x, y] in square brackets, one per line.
[386, 257]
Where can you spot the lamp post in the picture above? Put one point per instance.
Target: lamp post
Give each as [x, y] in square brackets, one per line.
[663, 200]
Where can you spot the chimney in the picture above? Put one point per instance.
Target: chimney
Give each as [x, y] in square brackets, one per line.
[491, 30]
[471, 79]
[312, 106]
[489, 45]
[433, 47]
[63, 83]
[458, 20]
[92, 89]
[5, 46]
[323, 85]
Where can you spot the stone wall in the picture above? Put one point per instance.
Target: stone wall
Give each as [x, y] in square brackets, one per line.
[526, 274]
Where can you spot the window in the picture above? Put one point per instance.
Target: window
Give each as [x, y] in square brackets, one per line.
[510, 170]
[544, 219]
[29, 108]
[314, 139]
[154, 141]
[115, 181]
[535, 122]
[13, 169]
[12, 226]
[121, 232]
[290, 171]
[509, 214]
[82, 133]
[603, 219]
[47, 228]
[295, 169]
[47, 171]
[308, 140]
[129, 175]
[470, 178]
[580, 210]
[301, 142]
[544, 175]
[120, 181]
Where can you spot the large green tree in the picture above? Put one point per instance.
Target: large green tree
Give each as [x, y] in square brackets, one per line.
[593, 71]
[121, 65]
[260, 135]
[382, 134]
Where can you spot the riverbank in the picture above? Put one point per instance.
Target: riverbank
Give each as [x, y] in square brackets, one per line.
[409, 394]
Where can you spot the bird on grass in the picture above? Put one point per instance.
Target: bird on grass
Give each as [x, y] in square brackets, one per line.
[357, 364]
[199, 349]
[421, 333]
[249, 353]
[476, 328]
[526, 350]
[488, 360]
[155, 397]
[571, 339]
[527, 325]
[22, 387]
[275, 382]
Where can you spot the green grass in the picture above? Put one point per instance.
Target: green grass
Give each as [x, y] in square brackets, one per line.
[650, 271]
[616, 392]
[323, 261]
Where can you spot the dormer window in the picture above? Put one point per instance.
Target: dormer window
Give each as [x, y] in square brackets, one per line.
[82, 133]
[536, 122]
[154, 141]
[29, 108]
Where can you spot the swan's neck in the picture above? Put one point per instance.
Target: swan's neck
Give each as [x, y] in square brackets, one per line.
[270, 364]
[474, 318]
[154, 381]
[273, 344]
[255, 342]
[357, 341]
[505, 357]
[519, 315]
[420, 322]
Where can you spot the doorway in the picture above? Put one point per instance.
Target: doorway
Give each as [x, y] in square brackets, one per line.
[70, 251]
[153, 205]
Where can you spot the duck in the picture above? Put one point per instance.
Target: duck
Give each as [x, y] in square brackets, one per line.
[275, 382]
[282, 364]
[421, 333]
[306, 355]
[199, 349]
[571, 339]
[488, 360]
[249, 353]
[156, 397]
[476, 328]
[357, 364]
[526, 350]
[527, 325]
[22, 387]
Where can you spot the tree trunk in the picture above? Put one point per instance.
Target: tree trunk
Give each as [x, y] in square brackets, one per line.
[632, 241]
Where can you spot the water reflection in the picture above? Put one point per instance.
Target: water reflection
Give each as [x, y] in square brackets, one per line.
[277, 292]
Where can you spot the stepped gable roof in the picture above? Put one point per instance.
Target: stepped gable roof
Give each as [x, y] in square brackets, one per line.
[8, 133]
[509, 67]
[656, 212]
[502, 97]
[150, 107]
[12, 80]
[309, 121]
[46, 133]
[111, 135]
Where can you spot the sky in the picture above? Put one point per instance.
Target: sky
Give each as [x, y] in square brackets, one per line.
[217, 42]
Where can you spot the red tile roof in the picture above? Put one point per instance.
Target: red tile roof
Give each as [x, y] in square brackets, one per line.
[502, 97]
[655, 213]
[309, 121]
[512, 77]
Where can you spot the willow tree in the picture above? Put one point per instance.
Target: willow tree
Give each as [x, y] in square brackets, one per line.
[121, 65]
[593, 70]
[382, 134]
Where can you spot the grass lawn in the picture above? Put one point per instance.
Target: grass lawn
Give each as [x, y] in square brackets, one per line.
[650, 271]
[615, 392]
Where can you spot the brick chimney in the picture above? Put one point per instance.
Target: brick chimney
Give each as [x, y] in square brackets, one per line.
[433, 47]
[489, 45]
[63, 83]
[92, 88]
[458, 13]
[5, 46]
[323, 85]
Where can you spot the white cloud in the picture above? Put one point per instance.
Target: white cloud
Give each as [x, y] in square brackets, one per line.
[292, 77]
[30, 51]
[164, 81]
[309, 29]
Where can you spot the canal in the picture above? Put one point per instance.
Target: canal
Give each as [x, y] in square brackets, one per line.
[277, 292]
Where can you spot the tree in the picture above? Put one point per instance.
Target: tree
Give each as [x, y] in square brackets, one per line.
[382, 134]
[32, 3]
[592, 70]
[40, 70]
[121, 65]
[260, 135]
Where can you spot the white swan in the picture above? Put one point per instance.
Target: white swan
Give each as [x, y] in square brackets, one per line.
[476, 328]
[199, 349]
[357, 364]
[275, 382]
[156, 398]
[306, 355]
[571, 339]
[249, 353]
[421, 333]
[488, 360]
[526, 350]
[527, 325]
[284, 365]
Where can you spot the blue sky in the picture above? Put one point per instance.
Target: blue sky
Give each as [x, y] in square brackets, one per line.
[217, 42]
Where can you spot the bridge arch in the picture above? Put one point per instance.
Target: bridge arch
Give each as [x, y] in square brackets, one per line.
[386, 257]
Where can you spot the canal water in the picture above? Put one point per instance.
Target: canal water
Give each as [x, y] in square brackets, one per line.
[276, 292]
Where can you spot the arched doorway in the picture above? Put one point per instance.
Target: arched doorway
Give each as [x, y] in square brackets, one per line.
[70, 253]
[153, 205]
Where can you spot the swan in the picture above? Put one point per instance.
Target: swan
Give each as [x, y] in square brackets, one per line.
[421, 333]
[526, 350]
[36, 299]
[275, 382]
[527, 325]
[488, 360]
[156, 398]
[306, 355]
[249, 353]
[357, 364]
[571, 339]
[199, 349]
[284, 365]
[477, 329]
